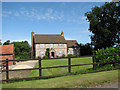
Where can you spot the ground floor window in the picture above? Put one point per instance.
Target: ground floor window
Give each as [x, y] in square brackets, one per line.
[41, 53]
[60, 53]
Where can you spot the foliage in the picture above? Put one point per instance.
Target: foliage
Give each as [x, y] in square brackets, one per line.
[63, 55]
[22, 49]
[71, 55]
[47, 52]
[105, 25]
[7, 42]
[57, 56]
[107, 51]
[86, 49]
[45, 57]
[0, 42]
[39, 57]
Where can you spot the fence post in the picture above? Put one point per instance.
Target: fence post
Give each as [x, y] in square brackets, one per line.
[69, 63]
[40, 70]
[7, 72]
[94, 66]
[115, 60]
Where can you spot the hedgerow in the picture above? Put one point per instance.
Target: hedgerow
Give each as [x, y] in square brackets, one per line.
[108, 51]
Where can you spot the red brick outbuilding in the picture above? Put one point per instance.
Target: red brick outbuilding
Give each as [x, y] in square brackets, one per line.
[7, 52]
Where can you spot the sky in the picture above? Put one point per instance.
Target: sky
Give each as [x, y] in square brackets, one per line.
[19, 19]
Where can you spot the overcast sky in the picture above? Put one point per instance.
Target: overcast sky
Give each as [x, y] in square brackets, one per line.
[20, 19]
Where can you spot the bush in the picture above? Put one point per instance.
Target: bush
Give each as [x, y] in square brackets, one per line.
[39, 57]
[57, 56]
[107, 51]
[45, 57]
[63, 55]
[71, 55]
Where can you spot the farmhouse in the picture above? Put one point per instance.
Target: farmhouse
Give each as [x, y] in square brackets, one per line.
[7, 52]
[56, 44]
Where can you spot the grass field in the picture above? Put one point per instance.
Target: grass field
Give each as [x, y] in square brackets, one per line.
[80, 80]
[61, 62]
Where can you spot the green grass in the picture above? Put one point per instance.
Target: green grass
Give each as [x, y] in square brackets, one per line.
[81, 80]
[61, 62]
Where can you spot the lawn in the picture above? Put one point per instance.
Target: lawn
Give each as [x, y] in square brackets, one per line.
[80, 80]
[64, 70]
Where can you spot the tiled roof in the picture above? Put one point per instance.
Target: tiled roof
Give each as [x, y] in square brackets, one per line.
[7, 49]
[71, 43]
[44, 39]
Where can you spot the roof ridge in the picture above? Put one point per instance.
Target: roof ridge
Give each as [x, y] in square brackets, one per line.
[71, 40]
[48, 34]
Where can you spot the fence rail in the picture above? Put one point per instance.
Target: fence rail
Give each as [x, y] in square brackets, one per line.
[69, 67]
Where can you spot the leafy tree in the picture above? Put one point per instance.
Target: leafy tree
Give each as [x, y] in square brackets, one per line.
[22, 49]
[0, 42]
[105, 25]
[7, 42]
[47, 52]
[86, 49]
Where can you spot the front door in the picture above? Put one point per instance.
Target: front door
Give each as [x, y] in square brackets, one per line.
[52, 54]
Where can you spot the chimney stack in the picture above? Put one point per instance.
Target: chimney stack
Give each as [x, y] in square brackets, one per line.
[32, 34]
[62, 34]
[32, 42]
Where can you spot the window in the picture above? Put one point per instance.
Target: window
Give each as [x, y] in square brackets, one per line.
[41, 45]
[71, 52]
[60, 53]
[51, 45]
[60, 45]
[41, 53]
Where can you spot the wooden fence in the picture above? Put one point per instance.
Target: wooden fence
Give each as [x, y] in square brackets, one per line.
[69, 67]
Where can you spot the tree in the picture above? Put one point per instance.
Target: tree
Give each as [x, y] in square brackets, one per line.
[86, 49]
[0, 42]
[7, 42]
[22, 49]
[105, 25]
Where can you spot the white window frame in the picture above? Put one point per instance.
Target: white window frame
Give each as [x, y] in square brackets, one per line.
[51, 45]
[60, 45]
[42, 53]
[71, 52]
[42, 45]
[60, 53]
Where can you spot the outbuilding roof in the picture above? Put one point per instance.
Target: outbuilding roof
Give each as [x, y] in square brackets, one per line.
[71, 43]
[7, 49]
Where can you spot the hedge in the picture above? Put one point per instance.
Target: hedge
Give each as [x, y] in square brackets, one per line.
[107, 51]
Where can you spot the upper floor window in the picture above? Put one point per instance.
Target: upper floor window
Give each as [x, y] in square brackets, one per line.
[42, 45]
[51, 45]
[60, 45]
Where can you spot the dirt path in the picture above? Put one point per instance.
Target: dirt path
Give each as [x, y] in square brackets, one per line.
[21, 73]
[109, 85]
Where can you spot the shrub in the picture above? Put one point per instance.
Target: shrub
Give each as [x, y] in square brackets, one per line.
[107, 51]
[45, 57]
[57, 56]
[71, 55]
[63, 55]
[39, 57]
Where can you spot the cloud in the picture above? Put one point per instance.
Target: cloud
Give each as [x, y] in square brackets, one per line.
[6, 13]
[16, 13]
[83, 17]
[48, 14]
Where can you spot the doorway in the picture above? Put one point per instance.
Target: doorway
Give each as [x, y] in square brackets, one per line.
[52, 54]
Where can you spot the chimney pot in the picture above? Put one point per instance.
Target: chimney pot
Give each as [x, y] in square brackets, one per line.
[62, 34]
